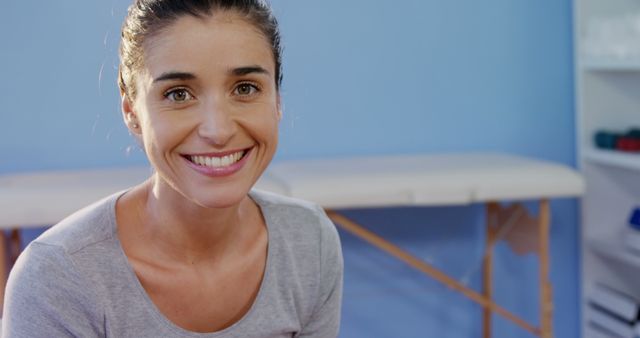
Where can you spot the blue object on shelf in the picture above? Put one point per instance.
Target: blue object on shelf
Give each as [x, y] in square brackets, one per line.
[634, 220]
[606, 140]
[633, 132]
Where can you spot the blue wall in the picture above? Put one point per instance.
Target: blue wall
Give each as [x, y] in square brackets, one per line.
[424, 76]
[361, 77]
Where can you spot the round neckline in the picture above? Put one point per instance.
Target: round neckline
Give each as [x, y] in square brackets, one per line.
[160, 317]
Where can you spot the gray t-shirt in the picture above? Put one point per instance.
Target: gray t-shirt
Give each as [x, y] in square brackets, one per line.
[75, 280]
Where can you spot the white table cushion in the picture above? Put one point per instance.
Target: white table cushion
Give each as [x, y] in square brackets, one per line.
[37, 199]
[425, 180]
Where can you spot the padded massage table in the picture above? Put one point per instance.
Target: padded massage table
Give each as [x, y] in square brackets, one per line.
[37, 199]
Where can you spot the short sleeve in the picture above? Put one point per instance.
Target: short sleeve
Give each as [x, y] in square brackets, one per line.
[47, 297]
[325, 320]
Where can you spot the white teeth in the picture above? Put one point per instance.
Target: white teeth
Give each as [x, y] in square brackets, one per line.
[217, 162]
[225, 161]
[214, 162]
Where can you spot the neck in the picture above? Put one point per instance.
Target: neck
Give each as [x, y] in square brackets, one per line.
[186, 232]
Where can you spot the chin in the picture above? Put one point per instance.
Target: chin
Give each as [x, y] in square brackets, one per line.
[223, 198]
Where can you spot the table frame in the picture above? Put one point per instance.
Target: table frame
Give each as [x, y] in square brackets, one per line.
[10, 248]
[484, 299]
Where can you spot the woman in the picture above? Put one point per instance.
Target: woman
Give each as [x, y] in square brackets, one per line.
[192, 252]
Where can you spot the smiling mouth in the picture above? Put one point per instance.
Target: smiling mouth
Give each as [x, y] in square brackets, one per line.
[213, 161]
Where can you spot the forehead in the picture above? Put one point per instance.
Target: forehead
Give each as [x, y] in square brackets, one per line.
[213, 42]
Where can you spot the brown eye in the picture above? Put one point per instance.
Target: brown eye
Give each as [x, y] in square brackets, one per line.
[246, 89]
[178, 95]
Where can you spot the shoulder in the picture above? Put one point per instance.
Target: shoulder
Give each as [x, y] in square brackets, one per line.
[42, 282]
[303, 220]
[50, 274]
[303, 227]
[41, 262]
[83, 228]
[307, 246]
[268, 199]
[39, 259]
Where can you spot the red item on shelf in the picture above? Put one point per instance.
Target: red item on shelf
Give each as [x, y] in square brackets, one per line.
[628, 144]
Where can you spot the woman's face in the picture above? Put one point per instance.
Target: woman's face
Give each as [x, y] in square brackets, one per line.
[208, 107]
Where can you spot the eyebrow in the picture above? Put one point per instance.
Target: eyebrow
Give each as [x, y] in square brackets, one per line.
[174, 76]
[240, 71]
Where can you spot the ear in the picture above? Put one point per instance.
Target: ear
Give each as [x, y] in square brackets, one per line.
[129, 115]
[279, 107]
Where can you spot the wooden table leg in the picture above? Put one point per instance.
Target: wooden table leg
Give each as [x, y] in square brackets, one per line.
[487, 266]
[15, 246]
[4, 260]
[546, 300]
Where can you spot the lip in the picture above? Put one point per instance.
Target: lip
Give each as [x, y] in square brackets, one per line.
[219, 153]
[222, 171]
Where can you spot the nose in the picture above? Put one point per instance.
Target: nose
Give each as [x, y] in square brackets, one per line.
[217, 125]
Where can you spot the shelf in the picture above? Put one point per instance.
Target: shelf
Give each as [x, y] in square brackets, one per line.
[613, 158]
[610, 64]
[615, 251]
[607, 83]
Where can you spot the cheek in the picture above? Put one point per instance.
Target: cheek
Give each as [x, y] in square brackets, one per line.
[265, 128]
[163, 133]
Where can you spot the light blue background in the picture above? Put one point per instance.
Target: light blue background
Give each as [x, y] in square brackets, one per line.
[361, 77]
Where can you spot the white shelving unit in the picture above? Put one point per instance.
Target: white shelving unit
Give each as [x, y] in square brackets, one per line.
[594, 64]
[611, 158]
[607, 98]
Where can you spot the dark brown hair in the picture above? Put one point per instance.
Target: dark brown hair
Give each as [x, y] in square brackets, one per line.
[148, 17]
